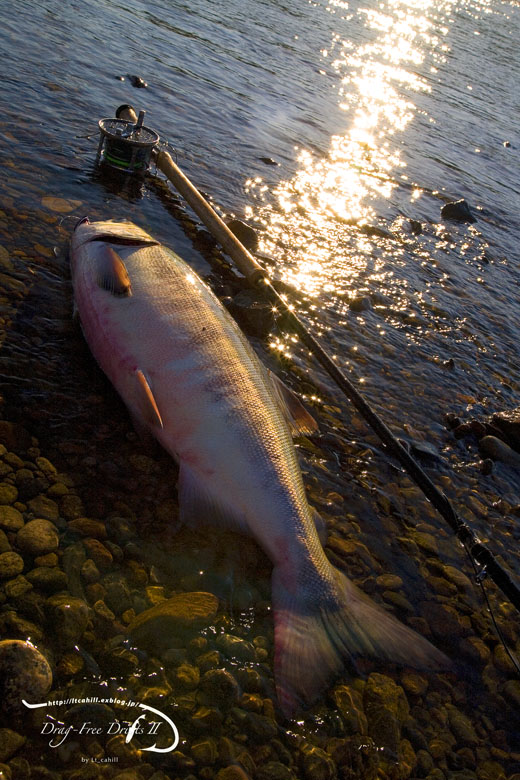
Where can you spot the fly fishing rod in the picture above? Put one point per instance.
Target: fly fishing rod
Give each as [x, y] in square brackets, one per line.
[257, 277]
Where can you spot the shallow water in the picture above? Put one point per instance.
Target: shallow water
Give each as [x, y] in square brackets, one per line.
[376, 114]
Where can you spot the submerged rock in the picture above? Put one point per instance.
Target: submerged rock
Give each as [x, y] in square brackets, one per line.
[155, 627]
[137, 81]
[69, 615]
[457, 210]
[11, 564]
[24, 674]
[245, 234]
[498, 450]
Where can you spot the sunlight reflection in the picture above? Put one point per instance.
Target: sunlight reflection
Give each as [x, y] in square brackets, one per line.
[322, 223]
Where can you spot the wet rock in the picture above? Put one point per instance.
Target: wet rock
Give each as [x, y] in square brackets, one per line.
[71, 614]
[15, 588]
[98, 552]
[236, 648]
[317, 765]
[458, 211]
[205, 752]
[4, 542]
[10, 518]
[461, 727]
[11, 564]
[259, 727]
[220, 687]
[136, 81]
[386, 708]
[253, 312]
[8, 493]
[268, 161]
[413, 683]
[349, 704]
[274, 770]
[12, 624]
[48, 578]
[357, 757]
[498, 450]
[509, 425]
[71, 507]
[360, 303]
[186, 677]
[10, 743]
[511, 691]
[245, 234]
[38, 537]
[389, 582]
[41, 506]
[207, 719]
[442, 619]
[185, 611]
[90, 572]
[415, 227]
[24, 674]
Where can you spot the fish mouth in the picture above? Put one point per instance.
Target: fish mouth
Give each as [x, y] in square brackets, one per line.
[82, 221]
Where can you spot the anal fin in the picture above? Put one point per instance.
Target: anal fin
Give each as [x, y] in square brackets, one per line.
[197, 506]
[112, 273]
[146, 401]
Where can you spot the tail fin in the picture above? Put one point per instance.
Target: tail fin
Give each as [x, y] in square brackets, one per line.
[317, 634]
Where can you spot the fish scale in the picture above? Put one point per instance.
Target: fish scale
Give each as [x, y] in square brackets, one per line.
[188, 374]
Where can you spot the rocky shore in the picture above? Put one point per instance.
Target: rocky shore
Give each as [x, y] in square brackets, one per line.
[90, 608]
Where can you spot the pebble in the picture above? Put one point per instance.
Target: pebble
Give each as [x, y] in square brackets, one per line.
[24, 674]
[235, 772]
[87, 527]
[11, 564]
[71, 614]
[41, 506]
[10, 743]
[8, 493]
[96, 550]
[71, 506]
[10, 518]
[48, 578]
[274, 770]
[38, 537]
[389, 582]
[220, 688]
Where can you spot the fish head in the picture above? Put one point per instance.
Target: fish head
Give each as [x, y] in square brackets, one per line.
[107, 232]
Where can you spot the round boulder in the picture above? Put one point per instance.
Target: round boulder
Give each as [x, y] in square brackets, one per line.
[38, 537]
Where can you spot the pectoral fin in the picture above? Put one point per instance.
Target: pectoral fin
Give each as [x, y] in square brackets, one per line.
[299, 419]
[146, 401]
[112, 273]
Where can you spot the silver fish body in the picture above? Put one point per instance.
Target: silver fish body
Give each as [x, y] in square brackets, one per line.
[187, 373]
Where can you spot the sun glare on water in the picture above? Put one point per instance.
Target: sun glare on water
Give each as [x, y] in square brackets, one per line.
[319, 221]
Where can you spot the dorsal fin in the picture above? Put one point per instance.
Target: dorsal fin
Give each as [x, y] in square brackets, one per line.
[146, 402]
[299, 419]
[112, 273]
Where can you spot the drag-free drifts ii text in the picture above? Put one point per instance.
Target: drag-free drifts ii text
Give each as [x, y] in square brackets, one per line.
[147, 725]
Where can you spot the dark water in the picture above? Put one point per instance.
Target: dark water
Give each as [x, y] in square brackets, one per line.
[376, 114]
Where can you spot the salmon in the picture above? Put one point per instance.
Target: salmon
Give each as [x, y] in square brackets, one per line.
[189, 376]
